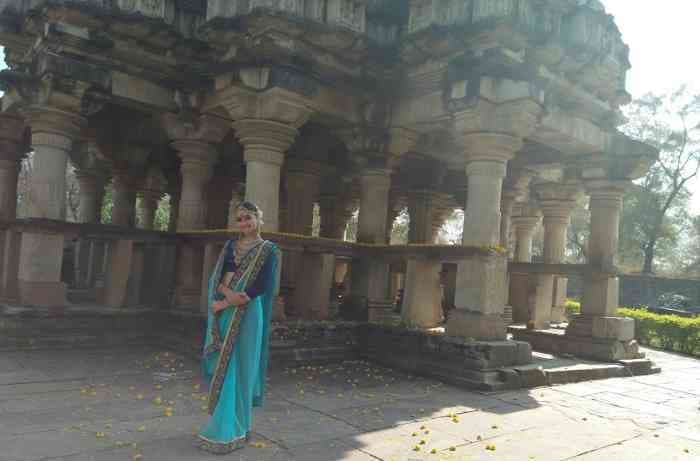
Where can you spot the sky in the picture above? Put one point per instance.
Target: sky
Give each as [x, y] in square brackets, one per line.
[663, 38]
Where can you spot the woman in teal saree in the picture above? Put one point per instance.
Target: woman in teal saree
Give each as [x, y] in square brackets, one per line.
[242, 289]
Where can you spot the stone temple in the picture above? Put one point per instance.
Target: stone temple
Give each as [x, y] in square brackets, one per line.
[507, 109]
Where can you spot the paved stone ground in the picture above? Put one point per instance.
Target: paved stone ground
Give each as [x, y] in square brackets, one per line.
[113, 405]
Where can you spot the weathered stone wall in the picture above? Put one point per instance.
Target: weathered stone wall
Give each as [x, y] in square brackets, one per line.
[637, 290]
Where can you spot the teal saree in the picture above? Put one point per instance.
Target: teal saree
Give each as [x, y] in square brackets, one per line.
[236, 348]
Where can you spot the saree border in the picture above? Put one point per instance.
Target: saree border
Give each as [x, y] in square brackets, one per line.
[240, 270]
[222, 364]
[220, 448]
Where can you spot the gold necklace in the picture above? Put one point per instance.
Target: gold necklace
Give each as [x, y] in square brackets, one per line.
[243, 247]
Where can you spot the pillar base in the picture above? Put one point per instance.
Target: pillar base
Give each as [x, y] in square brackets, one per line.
[475, 325]
[42, 294]
[603, 338]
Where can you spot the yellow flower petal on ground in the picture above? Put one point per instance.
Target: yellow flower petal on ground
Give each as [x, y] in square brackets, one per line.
[259, 445]
[100, 435]
[139, 397]
[196, 387]
[141, 428]
[158, 386]
[433, 451]
[452, 449]
[416, 448]
[491, 447]
[158, 400]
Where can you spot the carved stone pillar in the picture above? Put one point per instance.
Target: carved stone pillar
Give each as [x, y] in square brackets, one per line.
[11, 134]
[335, 213]
[374, 206]
[606, 336]
[124, 198]
[487, 154]
[302, 181]
[11, 131]
[266, 123]
[557, 201]
[195, 141]
[422, 208]
[92, 191]
[149, 205]
[174, 208]
[41, 255]
[237, 196]
[527, 218]
[507, 202]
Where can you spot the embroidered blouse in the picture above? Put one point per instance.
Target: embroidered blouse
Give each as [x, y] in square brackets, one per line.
[265, 276]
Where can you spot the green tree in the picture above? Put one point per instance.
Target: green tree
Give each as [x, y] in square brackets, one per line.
[655, 208]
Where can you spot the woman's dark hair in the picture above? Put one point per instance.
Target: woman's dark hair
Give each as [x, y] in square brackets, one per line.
[250, 206]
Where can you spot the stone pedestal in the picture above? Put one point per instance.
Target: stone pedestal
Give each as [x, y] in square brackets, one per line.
[480, 297]
[312, 296]
[41, 255]
[422, 300]
[119, 270]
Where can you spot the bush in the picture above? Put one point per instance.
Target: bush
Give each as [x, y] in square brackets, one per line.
[669, 332]
[572, 307]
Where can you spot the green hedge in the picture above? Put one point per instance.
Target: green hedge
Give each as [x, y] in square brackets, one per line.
[668, 332]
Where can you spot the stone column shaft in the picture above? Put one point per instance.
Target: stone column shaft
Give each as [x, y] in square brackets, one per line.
[421, 208]
[265, 143]
[123, 199]
[149, 205]
[302, 189]
[197, 160]
[481, 293]
[236, 199]
[524, 231]
[92, 191]
[374, 206]
[335, 213]
[41, 255]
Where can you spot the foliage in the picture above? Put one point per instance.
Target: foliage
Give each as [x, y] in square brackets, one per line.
[399, 229]
[572, 307]
[451, 232]
[107, 205]
[669, 332]
[655, 208]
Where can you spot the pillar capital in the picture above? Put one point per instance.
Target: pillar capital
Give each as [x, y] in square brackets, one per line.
[265, 141]
[205, 128]
[557, 200]
[274, 105]
[607, 190]
[490, 147]
[53, 127]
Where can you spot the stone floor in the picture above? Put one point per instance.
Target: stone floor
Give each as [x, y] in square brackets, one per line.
[136, 404]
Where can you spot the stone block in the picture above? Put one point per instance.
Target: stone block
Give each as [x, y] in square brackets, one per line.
[531, 376]
[422, 297]
[481, 284]
[475, 325]
[620, 328]
[600, 295]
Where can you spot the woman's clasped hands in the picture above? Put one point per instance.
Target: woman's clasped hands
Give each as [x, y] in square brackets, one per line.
[231, 298]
